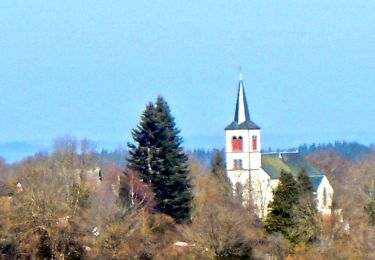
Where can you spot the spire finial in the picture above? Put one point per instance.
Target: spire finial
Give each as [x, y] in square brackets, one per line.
[240, 73]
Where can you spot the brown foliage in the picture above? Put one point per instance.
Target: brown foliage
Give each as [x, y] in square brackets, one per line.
[134, 192]
[353, 184]
[221, 227]
[333, 164]
[346, 178]
[139, 235]
[85, 216]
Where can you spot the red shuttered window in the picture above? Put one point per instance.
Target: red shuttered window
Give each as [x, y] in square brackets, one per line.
[254, 142]
[237, 143]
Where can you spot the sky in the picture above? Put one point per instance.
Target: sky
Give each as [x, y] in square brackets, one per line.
[88, 68]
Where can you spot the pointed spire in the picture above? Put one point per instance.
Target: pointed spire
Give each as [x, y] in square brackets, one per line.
[242, 116]
[242, 110]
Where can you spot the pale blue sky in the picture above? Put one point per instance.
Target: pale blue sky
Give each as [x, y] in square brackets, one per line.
[88, 68]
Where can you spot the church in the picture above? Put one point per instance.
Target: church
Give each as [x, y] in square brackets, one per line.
[253, 174]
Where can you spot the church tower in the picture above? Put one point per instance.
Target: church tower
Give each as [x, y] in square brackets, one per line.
[243, 148]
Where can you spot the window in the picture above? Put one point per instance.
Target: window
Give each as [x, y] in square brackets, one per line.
[240, 164]
[235, 164]
[237, 143]
[254, 143]
[234, 143]
[324, 198]
[240, 143]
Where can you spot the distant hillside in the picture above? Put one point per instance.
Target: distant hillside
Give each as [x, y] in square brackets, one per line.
[350, 150]
[353, 151]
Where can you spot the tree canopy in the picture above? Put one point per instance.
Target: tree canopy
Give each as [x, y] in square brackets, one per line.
[285, 196]
[158, 156]
[293, 210]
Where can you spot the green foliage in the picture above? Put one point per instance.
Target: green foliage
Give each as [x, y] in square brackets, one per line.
[304, 185]
[285, 197]
[305, 224]
[160, 160]
[370, 211]
[293, 210]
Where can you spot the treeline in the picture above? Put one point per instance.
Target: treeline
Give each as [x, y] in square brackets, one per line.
[165, 205]
[63, 211]
[351, 150]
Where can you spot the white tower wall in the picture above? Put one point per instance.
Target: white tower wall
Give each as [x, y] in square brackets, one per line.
[251, 159]
[243, 155]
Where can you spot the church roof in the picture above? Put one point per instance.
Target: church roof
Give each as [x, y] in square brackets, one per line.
[274, 163]
[241, 116]
[316, 180]
[4, 190]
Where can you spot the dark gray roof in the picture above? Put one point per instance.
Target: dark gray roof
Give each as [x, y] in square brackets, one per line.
[316, 180]
[4, 190]
[274, 163]
[247, 124]
[236, 114]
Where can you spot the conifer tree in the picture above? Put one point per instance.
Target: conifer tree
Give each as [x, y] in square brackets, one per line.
[293, 210]
[305, 222]
[142, 157]
[160, 160]
[304, 184]
[285, 197]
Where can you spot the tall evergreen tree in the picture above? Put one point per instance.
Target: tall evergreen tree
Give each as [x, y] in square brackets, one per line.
[285, 196]
[293, 210]
[305, 215]
[142, 156]
[160, 160]
[304, 185]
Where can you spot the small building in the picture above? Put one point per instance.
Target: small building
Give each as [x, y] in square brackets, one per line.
[253, 174]
[293, 162]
